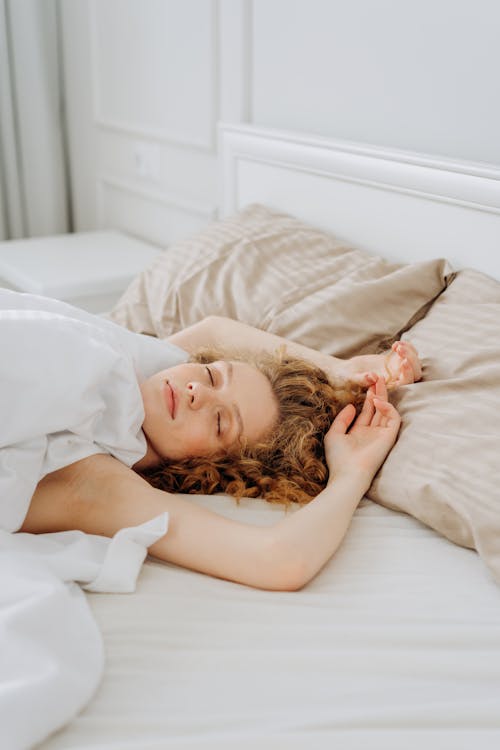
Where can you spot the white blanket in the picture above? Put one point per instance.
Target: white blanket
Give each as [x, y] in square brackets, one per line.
[52, 654]
[69, 388]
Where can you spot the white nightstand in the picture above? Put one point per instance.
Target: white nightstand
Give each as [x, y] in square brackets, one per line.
[88, 269]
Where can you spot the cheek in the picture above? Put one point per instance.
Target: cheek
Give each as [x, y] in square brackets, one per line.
[196, 442]
[189, 437]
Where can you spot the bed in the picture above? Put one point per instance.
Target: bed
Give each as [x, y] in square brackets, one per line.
[395, 642]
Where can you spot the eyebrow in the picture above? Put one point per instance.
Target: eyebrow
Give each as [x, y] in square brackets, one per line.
[236, 411]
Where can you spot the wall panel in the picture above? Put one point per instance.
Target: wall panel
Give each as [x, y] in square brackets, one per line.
[421, 76]
[143, 120]
[154, 68]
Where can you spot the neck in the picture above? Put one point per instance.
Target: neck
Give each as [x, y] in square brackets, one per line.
[150, 459]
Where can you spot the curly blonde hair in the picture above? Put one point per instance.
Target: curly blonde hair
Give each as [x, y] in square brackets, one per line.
[288, 465]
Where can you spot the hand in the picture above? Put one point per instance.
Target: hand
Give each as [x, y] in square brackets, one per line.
[402, 365]
[360, 448]
[398, 366]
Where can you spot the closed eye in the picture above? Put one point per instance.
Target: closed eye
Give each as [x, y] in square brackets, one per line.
[212, 382]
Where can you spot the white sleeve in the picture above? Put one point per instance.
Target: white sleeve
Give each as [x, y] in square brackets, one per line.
[67, 390]
[149, 353]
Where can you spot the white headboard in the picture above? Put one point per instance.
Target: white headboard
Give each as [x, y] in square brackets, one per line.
[405, 206]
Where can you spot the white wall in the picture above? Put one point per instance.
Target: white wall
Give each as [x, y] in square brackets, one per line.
[414, 75]
[147, 80]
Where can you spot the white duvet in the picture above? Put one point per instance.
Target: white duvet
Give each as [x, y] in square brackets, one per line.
[69, 388]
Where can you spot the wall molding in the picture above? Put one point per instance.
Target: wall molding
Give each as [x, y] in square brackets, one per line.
[160, 135]
[165, 198]
[465, 184]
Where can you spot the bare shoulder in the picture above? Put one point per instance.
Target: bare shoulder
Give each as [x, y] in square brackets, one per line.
[69, 497]
[96, 474]
[100, 495]
[79, 473]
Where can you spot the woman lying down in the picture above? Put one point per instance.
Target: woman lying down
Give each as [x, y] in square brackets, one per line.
[100, 425]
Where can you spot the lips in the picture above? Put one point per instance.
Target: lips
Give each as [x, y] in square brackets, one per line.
[169, 398]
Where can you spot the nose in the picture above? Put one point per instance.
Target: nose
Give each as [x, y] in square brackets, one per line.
[199, 394]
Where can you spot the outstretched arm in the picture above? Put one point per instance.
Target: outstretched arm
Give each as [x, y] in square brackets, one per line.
[99, 495]
[398, 366]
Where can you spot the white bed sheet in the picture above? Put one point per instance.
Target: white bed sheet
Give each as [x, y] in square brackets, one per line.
[395, 643]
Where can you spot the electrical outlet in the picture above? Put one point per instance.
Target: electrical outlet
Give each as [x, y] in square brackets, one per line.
[147, 160]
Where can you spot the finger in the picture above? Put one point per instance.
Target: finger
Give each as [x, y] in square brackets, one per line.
[415, 360]
[388, 414]
[382, 414]
[408, 350]
[381, 389]
[378, 414]
[371, 377]
[380, 397]
[412, 347]
[343, 420]
[368, 409]
[406, 374]
[403, 349]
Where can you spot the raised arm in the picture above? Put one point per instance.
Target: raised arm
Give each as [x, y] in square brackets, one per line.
[399, 365]
[227, 333]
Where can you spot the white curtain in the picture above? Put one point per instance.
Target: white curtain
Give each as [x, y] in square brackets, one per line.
[34, 185]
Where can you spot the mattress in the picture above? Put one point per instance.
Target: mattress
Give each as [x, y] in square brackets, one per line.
[394, 643]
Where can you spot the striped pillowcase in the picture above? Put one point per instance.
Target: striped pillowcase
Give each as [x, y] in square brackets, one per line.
[445, 467]
[274, 272]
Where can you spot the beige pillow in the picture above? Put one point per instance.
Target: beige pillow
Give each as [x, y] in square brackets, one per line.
[445, 467]
[277, 273]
